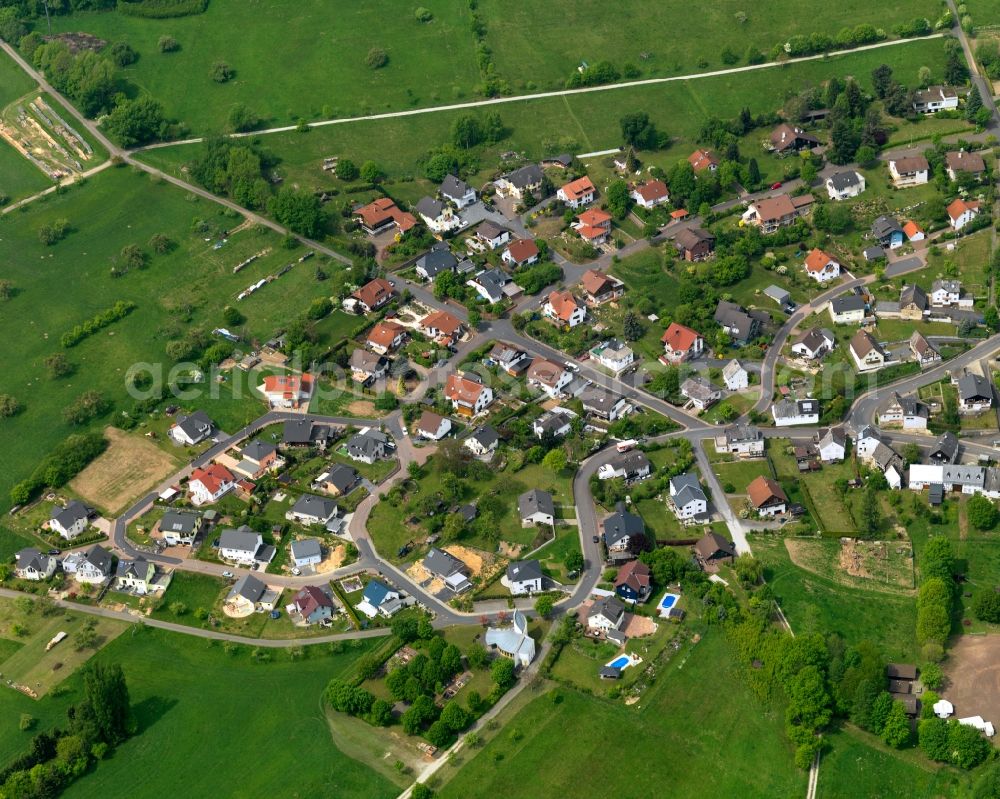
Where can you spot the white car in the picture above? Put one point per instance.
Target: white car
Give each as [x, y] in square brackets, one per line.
[228, 575]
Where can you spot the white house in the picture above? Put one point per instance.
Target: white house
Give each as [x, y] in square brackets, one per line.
[458, 192]
[524, 577]
[210, 483]
[848, 309]
[630, 466]
[867, 353]
[934, 99]
[962, 212]
[306, 553]
[745, 440]
[135, 576]
[536, 507]
[521, 252]
[512, 642]
[564, 308]
[832, 444]
[437, 215]
[30, 564]
[650, 194]
[577, 193]
[844, 185]
[866, 441]
[946, 293]
[789, 412]
[433, 426]
[975, 393]
[814, 343]
[70, 521]
[767, 497]
[240, 546]
[701, 392]
[311, 510]
[687, 497]
[549, 376]
[483, 441]
[191, 430]
[613, 354]
[467, 395]
[552, 424]
[92, 566]
[909, 171]
[821, 266]
[908, 412]
[735, 376]
[606, 614]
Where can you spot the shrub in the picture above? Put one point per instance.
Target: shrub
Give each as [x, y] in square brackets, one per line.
[168, 44]
[123, 54]
[377, 58]
[423, 14]
[221, 72]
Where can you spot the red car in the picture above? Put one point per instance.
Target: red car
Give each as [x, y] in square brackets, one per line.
[776, 185]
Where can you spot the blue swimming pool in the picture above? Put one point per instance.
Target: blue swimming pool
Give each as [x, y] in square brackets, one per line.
[620, 662]
[668, 601]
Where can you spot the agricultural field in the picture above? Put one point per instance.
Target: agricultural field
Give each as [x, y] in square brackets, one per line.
[681, 712]
[577, 123]
[184, 288]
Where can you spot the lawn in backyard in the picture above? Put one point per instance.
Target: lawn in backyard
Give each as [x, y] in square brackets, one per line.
[179, 684]
[577, 123]
[179, 290]
[819, 489]
[814, 603]
[680, 711]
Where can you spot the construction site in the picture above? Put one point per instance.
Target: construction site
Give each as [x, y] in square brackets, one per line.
[39, 133]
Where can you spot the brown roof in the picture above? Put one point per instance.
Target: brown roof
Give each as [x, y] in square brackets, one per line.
[383, 333]
[429, 422]
[545, 371]
[913, 163]
[462, 389]
[710, 543]
[374, 292]
[634, 574]
[443, 321]
[522, 249]
[763, 490]
[774, 208]
[962, 161]
[652, 190]
[862, 343]
[578, 188]
[380, 211]
[595, 217]
[901, 671]
[702, 159]
[595, 283]
[785, 136]
[563, 304]
[309, 598]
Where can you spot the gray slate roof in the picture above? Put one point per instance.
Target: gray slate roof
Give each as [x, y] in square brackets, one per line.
[71, 514]
[306, 548]
[521, 570]
[318, 507]
[453, 188]
[622, 524]
[441, 563]
[535, 501]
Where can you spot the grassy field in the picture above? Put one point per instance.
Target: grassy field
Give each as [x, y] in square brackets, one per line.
[177, 291]
[814, 603]
[578, 123]
[182, 692]
[833, 511]
[18, 176]
[682, 718]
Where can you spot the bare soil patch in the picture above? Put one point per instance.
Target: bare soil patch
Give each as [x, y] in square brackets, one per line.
[361, 408]
[874, 565]
[639, 626]
[129, 468]
[78, 42]
[973, 672]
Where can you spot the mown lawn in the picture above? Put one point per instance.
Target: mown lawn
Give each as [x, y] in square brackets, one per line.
[681, 716]
[189, 719]
[60, 286]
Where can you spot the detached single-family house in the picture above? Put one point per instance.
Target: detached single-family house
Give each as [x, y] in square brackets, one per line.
[606, 614]
[193, 429]
[832, 444]
[701, 160]
[71, 520]
[786, 139]
[962, 212]
[866, 441]
[694, 243]
[948, 293]
[30, 564]
[467, 394]
[681, 343]
[624, 534]
[448, 568]
[287, 391]
[552, 424]
[368, 445]
[180, 527]
[524, 577]
[210, 483]
[772, 213]
[913, 231]
[135, 575]
[520, 252]
[437, 215]
[975, 393]
[314, 604]
[250, 595]
[577, 193]
[745, 440]
[593, 225]
[602, 404]
[432, 426]
[549, 376]
[767, 497]
[512, 642]
[385, 337]
[441, 327]
[701, 392]
[92, 566]
[945, 449]
[482, 442]
[867, 353]
[599, 288]
[887, 231]
[740, 326]
[613, 354]
[240, 546]
[492, 234]
[489, 284]
[789, 412]
[634, 582]
[847, 309]
[630, 466]
[912, 303]
[910, 171]
[536, 507]
[923, 351]
[259, 457]
[844, 185]
[306, 553]
[312, 510]
[521, 182]
[712, 549]
[908, 412]
[814, 343]
[564, 309]
[650, 194]
[457, 192]
[367, 367]
[934, 99]
[962, 161]
[687, 497]
[510, 359]
[338, 480]
[735, 376]
[821, 266]
[435, 261]
[373, 295]
[379, 599]
[382, 215]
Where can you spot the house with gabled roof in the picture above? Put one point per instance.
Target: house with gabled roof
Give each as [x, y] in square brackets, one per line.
[437, 260]
[492, 234]
[368, 445]
[180, 527]
[92, 566]
[867, 353]
[385, 337]
[437, 215]
[314, 604]
[650, 194]
[489, 284]
[821, 266]
[536, 507]
[593, 225]
[549, 376]
[191, 429]
[510, 359]
[845, 185]
[906, 411]
[624, 534]
[599, 287]
[432, 426]
[380, 599]
[975, 393]
[287, 391]
[71, 520]
[961, 161]
[694, 243]
[735, 376]
[442, 327]
[210, 483]
[887, 231]
[745, 440]
[250, 595]
[701, 160]
[934, 99]
[306, 553]
[135, 576]
[482, 441]
[712, 549]
[457, 192]
[577, 192]
[766, 496]
[741, 326]
[629, 466]
[564, 309]
[374, 294]
[603, 404]
[448, 568]
[31, 564]
[700, 392]
[687, 497]
[909, 171]
[521, 252]
[924, 353]
[681, 343]
[814, 343]
[338, 480]
[831, 444]
[606, 614]
[634, 582]
[789, 412]
[382, 215]
[787, 138]
[311, 510]
[772, 213]
[241, 545]
[258, 458]
[468, 395]
[847, 309]
[524, 577]
[521, 182]
[961, 212]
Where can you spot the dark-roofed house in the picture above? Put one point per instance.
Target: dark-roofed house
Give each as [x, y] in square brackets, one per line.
[30, 564]
[788, 139]
[606, 614]
[712, 549]
[304, 433]
[630, 466]
[70, 521]
[740, 326]
[887, 231]
[945, 449]
[813, 343]
[867, 352]
[457, 191]
[847, 309]
[844, 185]
[368, 446]
[524, 577]
[962, 161]
[700, 392]
[912, 302]
[437, 215]
[240, 546]
[687, 496]
[180, 527]
[306, 552]
[603, 404]
[435, 261]
[191, 429]
[624, 534]
[250, 595]
[909, 171]
[934, 99]
[510, 359]
[338, 480]
[313, 604]
[135, 575]
[520, 182]
[92, 566]
[483, 441]
[907, 411]
[489, 284]
[766, 496]
[379, 599]
[367, 367]
[310, 509]
[924, 353]
[536, 507]
[745, 440]
[633, 582]
[694, 243]
[832, 444]
[975, 393]
[449, 568]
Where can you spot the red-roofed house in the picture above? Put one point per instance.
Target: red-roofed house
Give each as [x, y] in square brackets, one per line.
[208, 484]
[599, 288]
[593, 225]
[913, 231]
[577, 192]
[703, 159]
[385, 337]
[467, 395]
[681, 343]
[961, 212]
[287, 391]
[650, 194]
[562, 307]
[441, 326]
[374, 294]
[382, 214]
[520, 252]
[822, 267]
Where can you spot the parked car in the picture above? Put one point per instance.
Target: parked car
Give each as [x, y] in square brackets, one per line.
[597, 539]
[228, 575]
[776, 185]
[55, 551]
